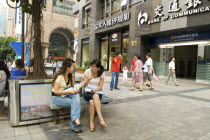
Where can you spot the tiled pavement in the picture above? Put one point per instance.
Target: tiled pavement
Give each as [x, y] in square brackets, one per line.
[167, 113]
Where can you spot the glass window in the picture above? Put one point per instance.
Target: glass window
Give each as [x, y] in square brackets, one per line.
[58, 45]
[116, 6]
[85, 51]
[86, 22]
[64, 7]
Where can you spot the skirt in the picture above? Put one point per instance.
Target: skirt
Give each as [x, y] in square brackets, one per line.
[138, 77]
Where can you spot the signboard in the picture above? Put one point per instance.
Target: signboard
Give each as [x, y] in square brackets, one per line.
[175, 11]
[18, 20]
[181, 37]
[113, 21]
[75, 49]
[33, 101]
[17, 46]
[115, 39]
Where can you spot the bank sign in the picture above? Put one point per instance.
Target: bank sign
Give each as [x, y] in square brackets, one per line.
[113, 21]
[174, 9]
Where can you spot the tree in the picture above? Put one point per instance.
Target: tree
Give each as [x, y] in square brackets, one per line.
[34, 8]
[5, 48]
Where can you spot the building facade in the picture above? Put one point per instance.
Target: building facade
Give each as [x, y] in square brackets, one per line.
[58, 28]
[3, 19]
[164, 28]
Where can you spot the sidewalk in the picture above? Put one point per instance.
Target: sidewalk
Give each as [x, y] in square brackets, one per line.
[168, 112]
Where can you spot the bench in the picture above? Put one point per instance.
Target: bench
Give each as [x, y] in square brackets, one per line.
[57, 109]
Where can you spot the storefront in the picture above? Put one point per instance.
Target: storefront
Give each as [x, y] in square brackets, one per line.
[110, 44]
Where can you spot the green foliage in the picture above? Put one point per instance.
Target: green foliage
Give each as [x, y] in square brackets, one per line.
[5, 48]
[87, 63]
[81, 68]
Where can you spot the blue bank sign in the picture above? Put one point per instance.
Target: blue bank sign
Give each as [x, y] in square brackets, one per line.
[181, 38]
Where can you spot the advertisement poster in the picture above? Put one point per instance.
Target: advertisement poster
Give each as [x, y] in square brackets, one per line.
[33, 102]
[18, 49]
[75, 49]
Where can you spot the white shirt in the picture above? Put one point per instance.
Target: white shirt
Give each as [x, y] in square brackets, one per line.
[172, 65]
[148, 63]
[94, 82]
[125, 73]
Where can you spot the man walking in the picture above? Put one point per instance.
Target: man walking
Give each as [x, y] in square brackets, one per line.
[148, 68]
[172, 72]
[115, 65]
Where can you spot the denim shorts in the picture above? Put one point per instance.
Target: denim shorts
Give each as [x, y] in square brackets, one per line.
[89, 96]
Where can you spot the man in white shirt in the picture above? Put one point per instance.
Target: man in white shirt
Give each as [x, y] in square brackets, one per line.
[172, 72]
[148, 68]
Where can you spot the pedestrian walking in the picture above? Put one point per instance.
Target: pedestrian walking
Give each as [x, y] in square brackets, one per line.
[54, 64]
[148, 69]
[135, 57]
[115, 65]
[172, 72]
[125, 75]
[138, 74]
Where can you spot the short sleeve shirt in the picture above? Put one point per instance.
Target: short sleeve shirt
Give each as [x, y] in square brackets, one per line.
[148, 63]
[133, 64]
[94, 82]
[17, 72]
[116, 64]
[61, 81]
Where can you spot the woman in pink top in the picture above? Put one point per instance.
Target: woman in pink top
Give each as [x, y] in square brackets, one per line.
[138, 74]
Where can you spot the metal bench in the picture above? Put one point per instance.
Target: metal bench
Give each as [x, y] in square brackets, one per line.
[57, 109]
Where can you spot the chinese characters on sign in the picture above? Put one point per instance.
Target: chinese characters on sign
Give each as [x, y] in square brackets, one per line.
[113, 21]
[173, 8]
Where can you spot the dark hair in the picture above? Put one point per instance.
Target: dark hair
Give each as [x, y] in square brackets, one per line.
[138, 56]
[66, 64]
[148, 54]
[117, 53]
[172, 58]
[19, 64]
[98, 65]
[3, 66]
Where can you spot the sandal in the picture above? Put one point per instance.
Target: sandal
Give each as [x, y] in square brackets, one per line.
[92, 129]
[151, 88]
[103, 125]
[140, 89]
[77, 125]
[77, 131]
[131, 89]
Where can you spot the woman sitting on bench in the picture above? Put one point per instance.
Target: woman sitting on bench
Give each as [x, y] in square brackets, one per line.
[62, 80]
[95, 76]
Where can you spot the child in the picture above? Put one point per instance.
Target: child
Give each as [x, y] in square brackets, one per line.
[125, 75]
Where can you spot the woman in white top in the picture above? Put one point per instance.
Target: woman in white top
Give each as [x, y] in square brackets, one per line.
[172, 72]
[95, 76]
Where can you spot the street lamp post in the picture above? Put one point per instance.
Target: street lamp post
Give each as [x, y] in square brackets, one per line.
[23, 30]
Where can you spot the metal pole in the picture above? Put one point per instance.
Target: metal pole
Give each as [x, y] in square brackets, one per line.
[23, 30]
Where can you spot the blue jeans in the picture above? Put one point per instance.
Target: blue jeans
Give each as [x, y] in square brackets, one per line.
[115, 76]
[72, 101]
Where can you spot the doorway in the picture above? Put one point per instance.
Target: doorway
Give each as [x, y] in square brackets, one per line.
[186, 62]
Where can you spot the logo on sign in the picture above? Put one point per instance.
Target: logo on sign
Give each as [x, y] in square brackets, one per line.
[114, 36]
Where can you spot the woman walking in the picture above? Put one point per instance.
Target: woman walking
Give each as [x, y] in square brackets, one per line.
[138, 74]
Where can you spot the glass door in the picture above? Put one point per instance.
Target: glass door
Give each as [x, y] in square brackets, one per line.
[159, 60]
[203, 64]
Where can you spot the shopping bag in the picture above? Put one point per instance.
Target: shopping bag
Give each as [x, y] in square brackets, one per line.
[155, 79]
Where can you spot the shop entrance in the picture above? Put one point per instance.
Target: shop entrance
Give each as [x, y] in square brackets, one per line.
[186, 62]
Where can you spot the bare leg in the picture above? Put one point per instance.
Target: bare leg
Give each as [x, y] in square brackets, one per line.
[92, 113]
[97, 104]
[133, 83]
[141, 86]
